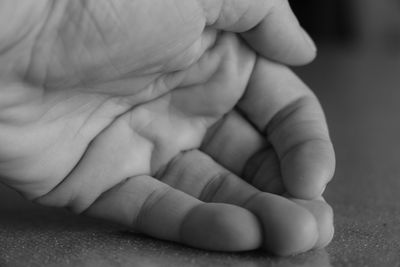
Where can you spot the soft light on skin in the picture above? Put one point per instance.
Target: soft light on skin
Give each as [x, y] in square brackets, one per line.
[288, 227]
[107, 93]
[235, 229]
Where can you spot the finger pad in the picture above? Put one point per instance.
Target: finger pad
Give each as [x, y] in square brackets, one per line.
[323, 214]
[221, 227]
[288, 227]
[307, 170]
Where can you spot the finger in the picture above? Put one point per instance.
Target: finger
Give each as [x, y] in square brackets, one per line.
[152, 207]
[324, 215]
[236, 145]
[269, 26]
[288, 228]
[278, 103]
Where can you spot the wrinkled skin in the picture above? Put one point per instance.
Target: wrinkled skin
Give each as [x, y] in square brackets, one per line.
[157, 115]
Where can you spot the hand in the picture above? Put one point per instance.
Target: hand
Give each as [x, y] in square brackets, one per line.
[110, 113]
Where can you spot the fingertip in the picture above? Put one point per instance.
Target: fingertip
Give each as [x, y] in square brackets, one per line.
[312, 47]
[221, 227]
[303, 54]
[307, 170]
[280, 37]
[288, 228]
[323, 215]
[300, 235]
[269, 27]
[305, 188]
[289, 52]
[326, 228]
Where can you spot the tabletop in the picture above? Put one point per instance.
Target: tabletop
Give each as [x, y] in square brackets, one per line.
[360, 92]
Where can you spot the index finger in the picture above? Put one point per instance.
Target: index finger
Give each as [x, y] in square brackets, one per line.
[268, 26]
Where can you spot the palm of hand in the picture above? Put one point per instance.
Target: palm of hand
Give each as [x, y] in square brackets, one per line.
[140, 116]
[83, 130]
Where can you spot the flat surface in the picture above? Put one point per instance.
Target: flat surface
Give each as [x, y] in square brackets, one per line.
[360, 92]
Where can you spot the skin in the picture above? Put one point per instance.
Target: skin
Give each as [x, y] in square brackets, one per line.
[171, 117]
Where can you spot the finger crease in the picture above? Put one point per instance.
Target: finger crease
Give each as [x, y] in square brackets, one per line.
[301, 144]
[284, 114]
[151, 200]
[213, 186]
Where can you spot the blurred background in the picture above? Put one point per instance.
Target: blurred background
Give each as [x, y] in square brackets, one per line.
[330, 20]
[365, 22]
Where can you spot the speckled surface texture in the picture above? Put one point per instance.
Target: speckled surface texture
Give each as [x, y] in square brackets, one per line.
[47, 238]
[361, 96]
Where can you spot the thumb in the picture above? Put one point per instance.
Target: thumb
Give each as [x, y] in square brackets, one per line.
[268, 26]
